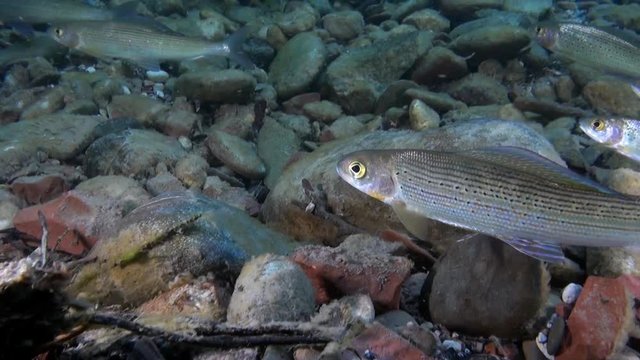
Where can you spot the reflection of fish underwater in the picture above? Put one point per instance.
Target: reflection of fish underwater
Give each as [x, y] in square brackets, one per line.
[613, 51]
[513, 194]
[143, 42]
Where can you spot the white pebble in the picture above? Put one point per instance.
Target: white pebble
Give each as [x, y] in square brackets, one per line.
[126, 90]
[91, 69]
[541, 338]
[185, 142]
[542, 346]
[452, 344]
[570, 293]
[159, 75]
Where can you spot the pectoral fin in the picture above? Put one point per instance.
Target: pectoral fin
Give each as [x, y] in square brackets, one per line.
[537, 249]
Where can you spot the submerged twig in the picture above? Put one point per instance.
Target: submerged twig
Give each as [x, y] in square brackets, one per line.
[391, 235]
[223, 336]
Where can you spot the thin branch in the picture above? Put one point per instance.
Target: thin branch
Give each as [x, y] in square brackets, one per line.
[225, 336]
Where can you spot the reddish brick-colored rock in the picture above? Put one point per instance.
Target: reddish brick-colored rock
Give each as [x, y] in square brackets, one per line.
[383, 344]
[296, 103]
[599, 323]
[340, 271]
[69, 220]
[39, 189]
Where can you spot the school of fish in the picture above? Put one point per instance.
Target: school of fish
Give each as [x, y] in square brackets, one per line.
[512, 194]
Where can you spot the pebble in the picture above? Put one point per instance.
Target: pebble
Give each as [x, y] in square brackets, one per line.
[224, 86]
[428, 19]
[297, 64]
[344, 25]
[422, 117]
[271, 288]
[323, 111]
[570, 293]
[556, 335]
[239, 155]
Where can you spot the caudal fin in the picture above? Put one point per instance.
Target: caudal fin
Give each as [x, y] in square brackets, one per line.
[236, 53]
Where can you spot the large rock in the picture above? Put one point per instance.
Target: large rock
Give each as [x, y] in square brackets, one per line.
[173, 234]
[131, 152]
[498, 42]
[362, 210]
[498, 291]
[297, 64]
[467, 8]
[358, 77]
[60, 136]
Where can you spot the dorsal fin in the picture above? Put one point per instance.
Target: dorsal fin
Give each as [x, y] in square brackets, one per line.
[520, 159]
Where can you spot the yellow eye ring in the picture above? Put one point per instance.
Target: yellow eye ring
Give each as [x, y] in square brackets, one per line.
[598, 125]
[357, 169]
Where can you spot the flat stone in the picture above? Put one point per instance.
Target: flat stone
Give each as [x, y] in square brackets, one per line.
[39, 189]
[60, 136]
[297, 64]
[132, 152]
[224, 86]
[276, 145]
[439, 64]
[499, 42]
[239, 155]
[385, 344]
[352, 272]
[356, 78]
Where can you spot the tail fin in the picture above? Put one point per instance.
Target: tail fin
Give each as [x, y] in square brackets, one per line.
[236, 53]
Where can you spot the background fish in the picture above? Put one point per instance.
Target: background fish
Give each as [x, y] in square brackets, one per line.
[143, 43]
[44, 11]
[616, 53]
[619, 133]
[510, 193]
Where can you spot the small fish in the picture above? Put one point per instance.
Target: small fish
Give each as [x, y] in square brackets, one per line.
[143, 43]
[619, 133]
[513, 194]
[612, 51]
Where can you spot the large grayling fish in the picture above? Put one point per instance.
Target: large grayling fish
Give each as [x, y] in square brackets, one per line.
[611, 51]
[515, 195]
[143, 43]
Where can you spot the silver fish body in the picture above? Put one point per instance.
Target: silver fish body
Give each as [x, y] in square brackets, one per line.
[619, 133]
[617, 54]
[142, 43]
[48, 11]
[512, 194]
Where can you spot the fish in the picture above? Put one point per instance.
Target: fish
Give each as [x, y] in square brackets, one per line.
[144, 43]
[613, 51]
[21, 14]
[509, 193]
[619, 133]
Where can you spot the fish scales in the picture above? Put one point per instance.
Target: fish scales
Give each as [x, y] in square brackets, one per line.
[122, 40]
[510, 204]
[594, 47]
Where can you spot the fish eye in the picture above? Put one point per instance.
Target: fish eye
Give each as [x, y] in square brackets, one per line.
[357, 169]
[59, 31]
[598, 125]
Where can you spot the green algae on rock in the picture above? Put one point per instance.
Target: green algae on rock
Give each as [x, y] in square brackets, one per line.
[172, 234]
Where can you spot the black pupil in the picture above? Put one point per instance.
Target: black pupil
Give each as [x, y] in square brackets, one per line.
[596, 124]
[355, 168]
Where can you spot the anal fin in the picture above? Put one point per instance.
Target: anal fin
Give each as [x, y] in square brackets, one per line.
[540, 250]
